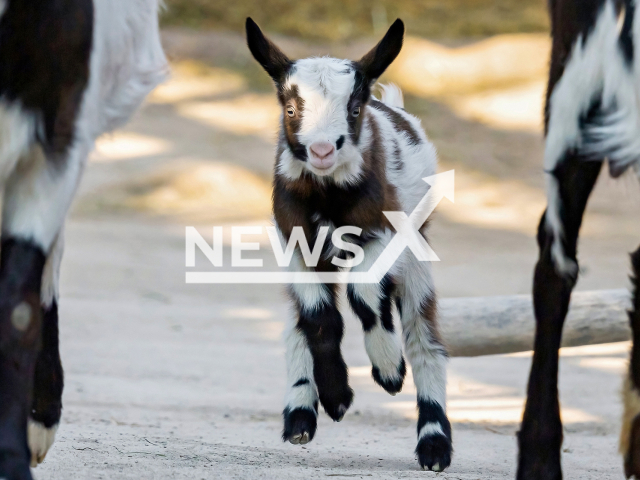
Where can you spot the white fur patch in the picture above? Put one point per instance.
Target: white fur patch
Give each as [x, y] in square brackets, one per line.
[429, 430]
[17, 133]
[38, 195]
[127, 62]
[310, 295]
[40, 440]
[299, 366]
[385, 351]
[391, 95]
[51, 273]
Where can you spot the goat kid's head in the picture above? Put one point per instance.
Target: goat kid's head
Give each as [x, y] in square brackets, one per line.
[323, 101]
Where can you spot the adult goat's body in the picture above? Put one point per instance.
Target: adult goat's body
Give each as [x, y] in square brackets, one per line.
[343, 159]
[592, 114]
[71, 70]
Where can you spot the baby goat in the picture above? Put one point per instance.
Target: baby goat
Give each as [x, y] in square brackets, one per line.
[343, 158]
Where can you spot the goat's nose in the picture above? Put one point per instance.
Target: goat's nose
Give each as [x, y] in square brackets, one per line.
[321, 149]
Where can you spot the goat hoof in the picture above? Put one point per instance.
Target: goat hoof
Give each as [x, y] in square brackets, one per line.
[299, 425]
[40, 440]
[393, 384]
[300, 438]
[434, 452]
[337, 405]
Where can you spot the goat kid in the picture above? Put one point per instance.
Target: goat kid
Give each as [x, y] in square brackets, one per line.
[592, 114]
[71, 70]
[343, 158]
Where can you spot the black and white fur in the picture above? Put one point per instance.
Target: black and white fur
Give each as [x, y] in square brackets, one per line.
[592, 114]
[372, 158]
[71, 70]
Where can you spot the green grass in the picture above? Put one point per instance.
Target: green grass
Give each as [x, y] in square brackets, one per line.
[339, 20]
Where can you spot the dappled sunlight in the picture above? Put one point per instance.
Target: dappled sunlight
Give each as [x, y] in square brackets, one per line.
[516, 108]
[248, 313]
[506, 205]
[249, 114]
[498, 82]
[124, 145]
[194, 190]
[489, 410]
[428, 69]
[605, 364]
[220, 188]
[192, 80]
[605, 349]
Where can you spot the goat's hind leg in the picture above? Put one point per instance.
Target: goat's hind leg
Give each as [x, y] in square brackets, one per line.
[48, 383]
[630, 434]
[428, 358]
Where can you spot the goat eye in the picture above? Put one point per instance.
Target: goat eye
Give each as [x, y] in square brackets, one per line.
[291, 111]
[355, 112]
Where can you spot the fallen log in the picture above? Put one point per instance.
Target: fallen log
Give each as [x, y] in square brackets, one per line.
[505, 324]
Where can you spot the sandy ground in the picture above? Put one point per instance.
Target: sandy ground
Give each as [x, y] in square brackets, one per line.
[166, 380]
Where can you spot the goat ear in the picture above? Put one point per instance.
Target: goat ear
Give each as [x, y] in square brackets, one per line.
[266, 53]
[375, 62]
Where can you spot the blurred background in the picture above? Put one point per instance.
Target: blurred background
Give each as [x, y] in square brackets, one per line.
[168, 380]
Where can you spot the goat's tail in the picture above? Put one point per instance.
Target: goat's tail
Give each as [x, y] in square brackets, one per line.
[391, 95]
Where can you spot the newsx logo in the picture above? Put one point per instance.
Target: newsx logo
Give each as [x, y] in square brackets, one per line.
[407, 234]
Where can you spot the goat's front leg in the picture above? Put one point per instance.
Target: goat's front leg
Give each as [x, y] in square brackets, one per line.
[36, 200]
[48, 382]
[630, 433]
[315, 367]
[428, 358]
[373, 304]
[540, 437]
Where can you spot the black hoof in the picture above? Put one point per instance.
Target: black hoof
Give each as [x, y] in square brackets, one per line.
[14, 467]
[337, 404]
[434, 452]
[299, 425]
[391, 385]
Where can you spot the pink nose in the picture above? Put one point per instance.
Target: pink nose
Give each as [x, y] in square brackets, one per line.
[322, 154]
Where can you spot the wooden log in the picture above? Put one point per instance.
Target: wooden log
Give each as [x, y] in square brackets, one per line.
[493, 325]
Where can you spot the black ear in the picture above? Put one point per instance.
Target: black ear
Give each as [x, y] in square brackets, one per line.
[375, 62]
[266, 53]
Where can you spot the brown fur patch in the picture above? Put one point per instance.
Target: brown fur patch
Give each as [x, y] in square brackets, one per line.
[429, 311]
[400, 123]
